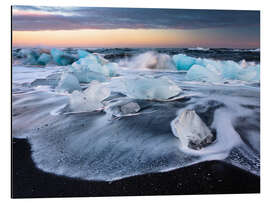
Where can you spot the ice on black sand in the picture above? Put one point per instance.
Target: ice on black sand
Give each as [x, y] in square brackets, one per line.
[191, 130]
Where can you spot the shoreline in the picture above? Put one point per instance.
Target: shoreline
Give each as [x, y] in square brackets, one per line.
[211, 177]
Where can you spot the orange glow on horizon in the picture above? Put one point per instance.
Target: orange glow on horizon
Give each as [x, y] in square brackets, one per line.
[113, 38]
[103, 38]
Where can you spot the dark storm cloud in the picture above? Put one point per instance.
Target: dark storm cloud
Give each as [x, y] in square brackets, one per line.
[71, 18]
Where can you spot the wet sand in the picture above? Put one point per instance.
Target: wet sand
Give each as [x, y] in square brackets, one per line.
[212, 177]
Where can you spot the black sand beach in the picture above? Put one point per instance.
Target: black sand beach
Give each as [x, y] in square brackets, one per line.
[104, 107]
[212, 177]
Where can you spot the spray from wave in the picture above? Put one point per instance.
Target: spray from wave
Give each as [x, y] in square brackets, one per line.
[149, 60]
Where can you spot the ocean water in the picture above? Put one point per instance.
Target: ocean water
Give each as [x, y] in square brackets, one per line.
[83, 134]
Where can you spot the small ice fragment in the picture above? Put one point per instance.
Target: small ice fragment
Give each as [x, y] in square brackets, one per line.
[122, 108]
[90, 99]
[69, 83]
[191, 130]
[130, 108]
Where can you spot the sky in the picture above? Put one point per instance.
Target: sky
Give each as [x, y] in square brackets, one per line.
[34, 26]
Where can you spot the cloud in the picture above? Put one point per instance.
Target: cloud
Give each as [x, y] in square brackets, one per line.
[71, 18]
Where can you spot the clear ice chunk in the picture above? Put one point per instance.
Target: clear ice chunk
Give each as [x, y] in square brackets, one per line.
[200, 73]
[150, 88]
[44, 59]
[61, 58]
[69, 83]
[94, 63]
[90, 99]
[183, 62]
[82, 53]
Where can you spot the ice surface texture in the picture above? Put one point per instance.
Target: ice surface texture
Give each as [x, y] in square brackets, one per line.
[183, 62]
[93, 67]
[90, 99]
[150, 88]
[200, 73]
[44, 59]
[61, 58]
[82, 53]
[122, 107]
[30, 56]
[192, 131]
[69, 83]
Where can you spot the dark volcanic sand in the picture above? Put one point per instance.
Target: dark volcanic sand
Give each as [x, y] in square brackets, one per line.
[213, 177]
